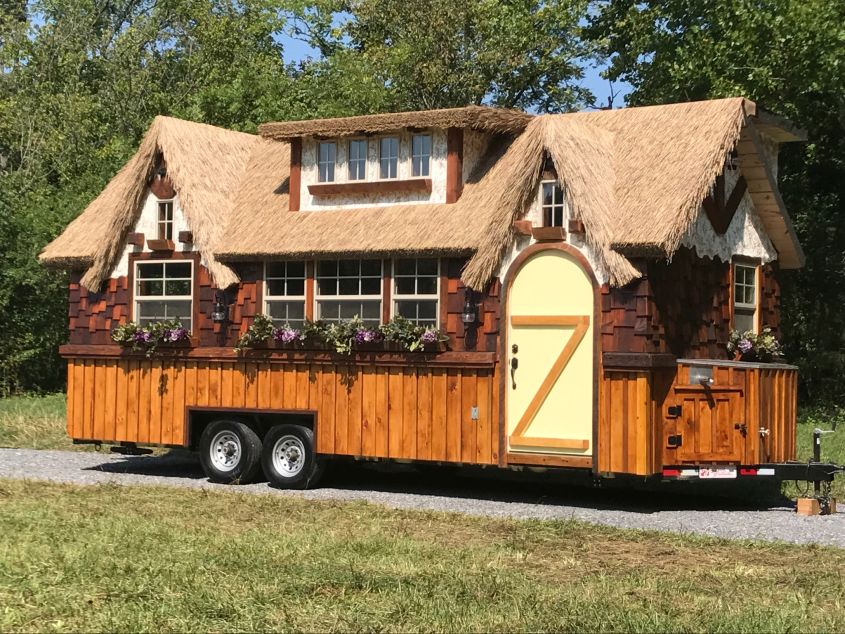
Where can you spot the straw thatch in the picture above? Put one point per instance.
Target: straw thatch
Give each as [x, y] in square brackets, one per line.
[635, 177]
[481, 118]
[205, 164]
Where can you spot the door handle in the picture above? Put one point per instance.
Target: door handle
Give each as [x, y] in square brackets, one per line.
[514, 366]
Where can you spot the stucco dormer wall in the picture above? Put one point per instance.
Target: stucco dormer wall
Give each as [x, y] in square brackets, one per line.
[437, 174]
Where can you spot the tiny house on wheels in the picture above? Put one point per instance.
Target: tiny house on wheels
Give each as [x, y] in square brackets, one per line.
[471, 286]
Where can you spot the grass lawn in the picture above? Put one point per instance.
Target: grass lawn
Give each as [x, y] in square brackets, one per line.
[116, 558]
[34, 422]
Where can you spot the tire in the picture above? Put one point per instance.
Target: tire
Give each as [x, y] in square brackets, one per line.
[289, 458]
[230, 452]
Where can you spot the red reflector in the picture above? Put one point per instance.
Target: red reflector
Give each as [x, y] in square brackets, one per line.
[671, 473]
[748, 472]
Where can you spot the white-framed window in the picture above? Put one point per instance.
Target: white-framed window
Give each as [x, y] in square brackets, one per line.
[284, 292]
[326, 161]
[554, 208]
[349, 288]
[745, 296]
[420, 154]
[388, 157]
[165, 220]
[416, 289]
[357, 159]
[164, 291]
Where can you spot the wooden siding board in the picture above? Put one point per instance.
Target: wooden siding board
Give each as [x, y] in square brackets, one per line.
[394, 413]
[354, 419]
[469, 427]
[368, 411]
[382, 422]
[424, 415]
[453, 415]
[341, 419]
[409, 413]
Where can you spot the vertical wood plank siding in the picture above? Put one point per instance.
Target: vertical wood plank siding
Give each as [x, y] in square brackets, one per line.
[414, 412]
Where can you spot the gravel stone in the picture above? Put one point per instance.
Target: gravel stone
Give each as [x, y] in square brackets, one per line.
[442, 489]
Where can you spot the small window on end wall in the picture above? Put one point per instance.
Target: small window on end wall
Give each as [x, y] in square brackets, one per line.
[164, 291]
[554, 208]
[284, 292]
[165, 220]
[745, 297]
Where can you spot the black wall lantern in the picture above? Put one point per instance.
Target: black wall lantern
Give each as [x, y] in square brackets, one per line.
[469, 315]
[220, 312]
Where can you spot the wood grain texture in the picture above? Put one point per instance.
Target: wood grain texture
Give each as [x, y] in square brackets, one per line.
[415, 413]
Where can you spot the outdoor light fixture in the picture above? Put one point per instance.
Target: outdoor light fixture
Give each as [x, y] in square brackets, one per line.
[469, 315]
[220, 312]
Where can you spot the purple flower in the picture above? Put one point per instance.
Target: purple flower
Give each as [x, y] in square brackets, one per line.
[141, 336]
[429, 336]
[367, 335]
[745, 346]
[287, 335]
[175, 334]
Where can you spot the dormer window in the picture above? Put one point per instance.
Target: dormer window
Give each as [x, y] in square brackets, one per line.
[554, 209]
[326, 161]
[165, 220]
[389, 157]
[420, 154]
[357, 159]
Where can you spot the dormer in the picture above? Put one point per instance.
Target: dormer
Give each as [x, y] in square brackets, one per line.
[389, 159]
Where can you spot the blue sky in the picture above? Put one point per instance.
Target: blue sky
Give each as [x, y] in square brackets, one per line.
[295, 50]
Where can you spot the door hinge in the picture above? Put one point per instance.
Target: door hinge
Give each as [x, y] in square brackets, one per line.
[674, 441]
[674, 411]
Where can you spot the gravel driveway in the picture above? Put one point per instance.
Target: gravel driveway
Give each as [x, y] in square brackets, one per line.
[677, 510]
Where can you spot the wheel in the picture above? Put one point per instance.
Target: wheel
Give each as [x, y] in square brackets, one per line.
[230, 452]
[289, 459]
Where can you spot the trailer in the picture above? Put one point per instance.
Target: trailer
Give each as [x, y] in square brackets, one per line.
[552, 292]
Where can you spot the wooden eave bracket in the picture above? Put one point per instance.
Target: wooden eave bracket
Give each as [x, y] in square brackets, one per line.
[522, 227]
[160, 245]
[548, 234]
[136, 240]
[186, 237]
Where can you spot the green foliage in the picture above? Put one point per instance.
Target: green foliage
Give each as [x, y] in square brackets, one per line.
[172, 560]
[787, 55]
[259, 331]
[752, 346]
[149, 338]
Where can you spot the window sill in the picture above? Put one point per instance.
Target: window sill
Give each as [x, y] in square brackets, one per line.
[548, 234]
[160, 245]
[371, 187]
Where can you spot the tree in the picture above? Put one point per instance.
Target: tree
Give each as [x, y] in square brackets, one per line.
[789, 57]
[398, 55]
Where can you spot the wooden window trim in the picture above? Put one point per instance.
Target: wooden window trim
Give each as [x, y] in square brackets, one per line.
[194, 257]
[266, 298]
[435, 297]
[747, 262]
[340, 298]
[562, 205]
[454, 164]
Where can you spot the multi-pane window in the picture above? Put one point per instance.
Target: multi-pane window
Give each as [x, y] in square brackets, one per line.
[420, 154]
[326, 160]
[745, 297]
[554, 208]
[415, 290]
[163, 291]
[357, 159]
[165, 220]
[349, 288]
[284, 292]
[388, 157]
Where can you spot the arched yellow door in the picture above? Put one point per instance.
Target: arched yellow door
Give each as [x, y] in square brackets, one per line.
[550, 381]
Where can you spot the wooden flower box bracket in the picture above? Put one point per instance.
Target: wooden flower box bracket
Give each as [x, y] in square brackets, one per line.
[548, 234]
[371, 187]
[135, 240]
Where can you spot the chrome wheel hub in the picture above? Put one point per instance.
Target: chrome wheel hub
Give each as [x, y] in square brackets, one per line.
[288, 456]
[225, 451]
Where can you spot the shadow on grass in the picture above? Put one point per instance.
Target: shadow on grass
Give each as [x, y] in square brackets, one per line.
[574, 489]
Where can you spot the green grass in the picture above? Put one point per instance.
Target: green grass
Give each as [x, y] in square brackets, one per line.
[161, 559]
[34, 422]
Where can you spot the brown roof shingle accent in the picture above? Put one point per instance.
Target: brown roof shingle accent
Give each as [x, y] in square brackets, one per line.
[481, 118]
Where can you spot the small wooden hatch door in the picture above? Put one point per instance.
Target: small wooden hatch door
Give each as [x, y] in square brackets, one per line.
[550, 378]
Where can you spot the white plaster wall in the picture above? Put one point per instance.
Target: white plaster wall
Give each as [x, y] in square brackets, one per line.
[437, 173]
[535, 215]
[745, 236]
[147, 224]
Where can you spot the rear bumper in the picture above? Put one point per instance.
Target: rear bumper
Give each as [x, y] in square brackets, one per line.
[805, 471]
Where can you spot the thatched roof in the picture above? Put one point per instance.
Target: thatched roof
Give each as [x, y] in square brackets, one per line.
[636, 177]
[204, 163]
[481, 118]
